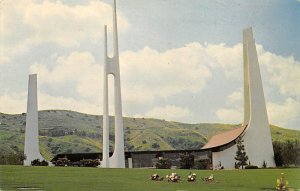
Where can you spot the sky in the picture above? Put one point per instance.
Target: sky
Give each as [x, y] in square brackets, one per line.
[179, 60]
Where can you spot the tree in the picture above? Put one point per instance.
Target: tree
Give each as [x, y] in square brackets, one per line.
[286, 153]
[12, 158]
[163, 163]
[37, 162]
[155, 145]
[241, 156]
[202, 164]
[278, 147]
[187, 161]
[289, 153]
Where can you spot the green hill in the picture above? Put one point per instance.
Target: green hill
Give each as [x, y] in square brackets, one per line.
[71, 132]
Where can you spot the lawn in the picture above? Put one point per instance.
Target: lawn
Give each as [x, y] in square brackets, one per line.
[81, 179]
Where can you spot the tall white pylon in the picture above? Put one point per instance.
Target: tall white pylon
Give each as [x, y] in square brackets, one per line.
[255, 130]
[31, 148]
[257, 137]
[111, 66]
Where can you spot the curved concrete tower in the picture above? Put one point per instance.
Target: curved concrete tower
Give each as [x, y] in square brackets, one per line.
[111, 66]
[255, 130]
[257, 137]
[31, 149]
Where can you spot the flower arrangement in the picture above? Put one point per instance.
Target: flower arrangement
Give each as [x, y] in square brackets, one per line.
[192, 177]
[174, 177]
[209, 178]
[156, 177]
[281, 183]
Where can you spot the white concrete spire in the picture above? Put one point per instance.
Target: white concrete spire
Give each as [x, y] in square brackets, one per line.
[255, 130]
[246, 78]
[31, 147]
[111, 67]
[257, 137]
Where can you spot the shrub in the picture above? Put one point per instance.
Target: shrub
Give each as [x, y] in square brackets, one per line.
[236, 166]
[62, 162]
[44, 163]
[187, 161]
[163, 164]
[264, 164]
[37, 162]
[12, 158]
[155, 145]
[202, 164]
[89, 163]
[251, 167]
[287, 153]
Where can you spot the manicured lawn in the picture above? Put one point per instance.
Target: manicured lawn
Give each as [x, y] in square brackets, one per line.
[74, 178]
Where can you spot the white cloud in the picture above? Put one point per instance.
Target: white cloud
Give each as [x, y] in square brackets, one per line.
[230, 115]
[227, 58]
[16, 103]
[162, 74]
[169, 112]
[68, 103]
[283, 113]
[236, 97]
[149, 76]
[13, 102]
[137, 95]
[69, 25]
[79, 68]
[77, 71]
[232, 112]
[27, 23]
[284, 72]
[146, 74]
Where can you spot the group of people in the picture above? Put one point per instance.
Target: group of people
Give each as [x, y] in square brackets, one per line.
[174, 177]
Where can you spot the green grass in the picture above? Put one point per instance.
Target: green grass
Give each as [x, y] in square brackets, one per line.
[74, 178]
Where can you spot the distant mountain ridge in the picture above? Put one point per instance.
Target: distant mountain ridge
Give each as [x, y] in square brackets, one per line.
[64, 131]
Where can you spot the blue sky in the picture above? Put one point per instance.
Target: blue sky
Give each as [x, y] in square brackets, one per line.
[180, 60]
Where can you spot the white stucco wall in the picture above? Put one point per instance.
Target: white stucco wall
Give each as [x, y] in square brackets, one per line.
[226, 157]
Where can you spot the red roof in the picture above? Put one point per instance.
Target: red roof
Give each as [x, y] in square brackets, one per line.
[224, 138]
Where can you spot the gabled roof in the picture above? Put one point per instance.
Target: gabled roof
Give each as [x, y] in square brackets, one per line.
[224, 138]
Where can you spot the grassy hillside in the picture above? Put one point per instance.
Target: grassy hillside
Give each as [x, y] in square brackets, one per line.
[72, 132]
